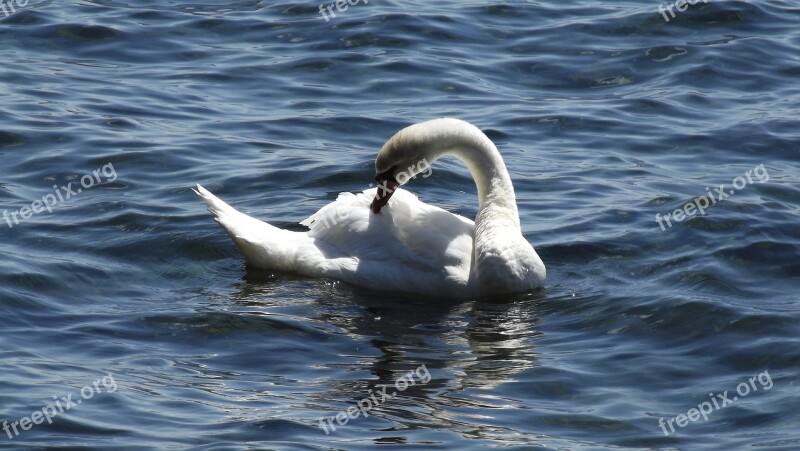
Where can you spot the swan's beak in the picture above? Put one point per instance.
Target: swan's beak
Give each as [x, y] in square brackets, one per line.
[386, 186]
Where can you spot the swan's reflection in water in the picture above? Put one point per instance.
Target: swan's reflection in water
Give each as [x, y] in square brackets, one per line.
[470, 348]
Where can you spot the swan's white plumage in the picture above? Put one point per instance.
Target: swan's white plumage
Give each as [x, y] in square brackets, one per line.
[409, 246]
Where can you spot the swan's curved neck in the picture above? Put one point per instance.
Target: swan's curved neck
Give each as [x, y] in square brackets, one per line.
[497, 202]
[502, 260]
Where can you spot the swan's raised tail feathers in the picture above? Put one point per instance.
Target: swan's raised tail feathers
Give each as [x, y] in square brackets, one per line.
[263, 245]
[216, 206]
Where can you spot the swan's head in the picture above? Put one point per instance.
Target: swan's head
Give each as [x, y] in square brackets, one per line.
[402, 158]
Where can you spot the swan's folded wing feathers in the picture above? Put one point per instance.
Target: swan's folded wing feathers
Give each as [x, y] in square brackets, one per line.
[408, 233]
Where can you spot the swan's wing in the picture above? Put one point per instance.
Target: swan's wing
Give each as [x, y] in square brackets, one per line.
[407, 234]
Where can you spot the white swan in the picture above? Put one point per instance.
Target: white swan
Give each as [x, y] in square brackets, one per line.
[409, 246]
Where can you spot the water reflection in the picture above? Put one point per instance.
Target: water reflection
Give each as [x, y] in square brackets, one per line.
[467, 347]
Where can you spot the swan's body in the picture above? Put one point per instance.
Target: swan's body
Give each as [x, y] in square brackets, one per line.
[409, 246]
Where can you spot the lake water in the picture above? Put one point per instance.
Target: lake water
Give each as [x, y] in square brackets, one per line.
[128, 319]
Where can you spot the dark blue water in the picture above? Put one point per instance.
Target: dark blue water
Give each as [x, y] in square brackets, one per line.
[130, 299]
